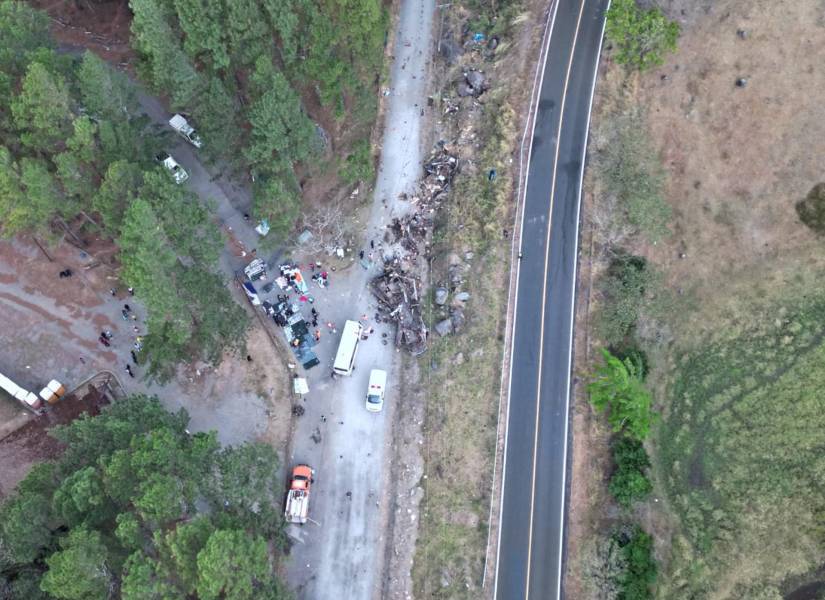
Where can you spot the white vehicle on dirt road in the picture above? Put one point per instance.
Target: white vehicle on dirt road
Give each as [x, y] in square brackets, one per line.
[347, 348]
[171, 165]
[185, 130]
[375, 390]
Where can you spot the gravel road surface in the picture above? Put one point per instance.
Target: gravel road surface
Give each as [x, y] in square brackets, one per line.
[340, 554]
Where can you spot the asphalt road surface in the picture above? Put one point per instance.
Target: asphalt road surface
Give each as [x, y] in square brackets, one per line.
[531, 534]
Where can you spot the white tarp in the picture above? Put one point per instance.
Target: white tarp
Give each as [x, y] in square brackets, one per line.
[300, 386]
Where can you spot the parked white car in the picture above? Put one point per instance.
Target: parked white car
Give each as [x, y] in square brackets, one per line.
[171, 165]
[375, 391]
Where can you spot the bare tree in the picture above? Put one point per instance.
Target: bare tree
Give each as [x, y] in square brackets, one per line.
[328, 227]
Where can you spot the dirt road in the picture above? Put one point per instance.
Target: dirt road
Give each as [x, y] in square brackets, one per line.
[340, 554]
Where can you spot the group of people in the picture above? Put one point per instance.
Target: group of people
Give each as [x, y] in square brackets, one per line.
[127, 314]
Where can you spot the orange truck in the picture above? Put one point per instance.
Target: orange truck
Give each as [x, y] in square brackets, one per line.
[297, 498]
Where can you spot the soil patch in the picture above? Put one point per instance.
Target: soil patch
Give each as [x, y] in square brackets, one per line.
[31, 443]
[99, 26]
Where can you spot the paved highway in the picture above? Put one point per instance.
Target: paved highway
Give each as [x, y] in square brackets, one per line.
[531, 531]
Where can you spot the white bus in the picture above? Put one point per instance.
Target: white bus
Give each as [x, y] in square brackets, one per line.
[347, 348]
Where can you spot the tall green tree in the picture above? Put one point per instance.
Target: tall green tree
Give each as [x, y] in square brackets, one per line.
[280, 127]
[118, 189]
[25, 516]
[277, 201]
[166, 64]
[22, 31]
[247, 31]
[105, 92]
[117, 511]
[284, 19]
[217, 115]
[42, 110]
[232, 565]
[79, 571]
[642, 37]
[202, 23]
[618, 387]
[77, 165]
[28, 194]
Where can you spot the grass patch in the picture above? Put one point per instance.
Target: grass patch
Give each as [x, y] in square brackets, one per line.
[740, 453]
[462, 386]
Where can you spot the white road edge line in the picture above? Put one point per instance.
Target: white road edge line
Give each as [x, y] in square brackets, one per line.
[543, 312]
[540, 68]
[573, 296]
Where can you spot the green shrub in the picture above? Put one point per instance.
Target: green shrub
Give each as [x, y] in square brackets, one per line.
[618, 388]
[623, 286]
[637, 581]
[641, 37]
[811, 210]
[358, 166]
[629, 483]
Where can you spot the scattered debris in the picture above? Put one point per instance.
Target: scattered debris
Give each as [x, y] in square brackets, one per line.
[741, 82]
[399, 289]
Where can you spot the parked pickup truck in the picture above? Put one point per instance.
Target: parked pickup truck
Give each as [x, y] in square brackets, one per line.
[297, 498]
[170, 164]
[185, 130]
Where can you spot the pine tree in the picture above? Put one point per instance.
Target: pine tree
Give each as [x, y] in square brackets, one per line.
[105, 93]
[42, 110]
[202, 23]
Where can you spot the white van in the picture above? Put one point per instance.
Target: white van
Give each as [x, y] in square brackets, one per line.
[347, 348]
[375, 391]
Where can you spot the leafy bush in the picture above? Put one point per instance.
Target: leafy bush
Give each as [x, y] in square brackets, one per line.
[621, 566]
[637, 581]
[623, 287]
[358, 166]
[629, 482]
[811, 210]
[618, 387]
[642, 37]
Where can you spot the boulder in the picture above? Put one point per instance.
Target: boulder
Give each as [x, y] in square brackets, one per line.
[476, 81]
[458, 320]
[444, 327]
[441, 295]
[465, 89]
[462, 296]
[454, 274]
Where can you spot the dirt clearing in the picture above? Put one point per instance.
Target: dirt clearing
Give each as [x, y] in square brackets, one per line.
[31, 443]
[52, 330]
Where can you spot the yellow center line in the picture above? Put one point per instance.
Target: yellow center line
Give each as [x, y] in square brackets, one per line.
[543, 304]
